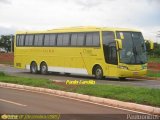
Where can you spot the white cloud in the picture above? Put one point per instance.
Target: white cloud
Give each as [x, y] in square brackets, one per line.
[48, 14]
[5, 2]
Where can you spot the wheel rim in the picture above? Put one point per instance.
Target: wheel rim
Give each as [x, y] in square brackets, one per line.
[44, 68]
[34, 68]
[98, 72]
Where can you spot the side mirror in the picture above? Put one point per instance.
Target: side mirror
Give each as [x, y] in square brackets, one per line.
[121, 35]
[151, 44]
[119, 42]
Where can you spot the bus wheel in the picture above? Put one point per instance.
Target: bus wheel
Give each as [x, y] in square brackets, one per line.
[33, 68]
[44, 68]
[98, 73]
[67, 74]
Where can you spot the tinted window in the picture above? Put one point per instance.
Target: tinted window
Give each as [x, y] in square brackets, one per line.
[38, 41]
[81, 39]
[52, 39]
[60, 40]
[31, 37]
[112, 53]
[92, 39]
[17, 40]
[47, 40]
[108, 37]
[133, 51]
[26, 40]
[74, 39]
[96, 39]
[109, 48]
[29, 40]
[21, 40]
[89, 38]
[66, 40]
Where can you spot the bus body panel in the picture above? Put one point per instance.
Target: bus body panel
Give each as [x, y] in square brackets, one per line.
[78, 60]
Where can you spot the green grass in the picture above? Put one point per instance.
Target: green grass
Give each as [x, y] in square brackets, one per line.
[139, 95]
[153, 73]
[28, 81]
[154, 59]
[124, 93]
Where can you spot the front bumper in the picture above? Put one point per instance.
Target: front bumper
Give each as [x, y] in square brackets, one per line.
[130, 73]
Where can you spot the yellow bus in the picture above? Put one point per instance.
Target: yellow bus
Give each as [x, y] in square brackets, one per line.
[98, 51]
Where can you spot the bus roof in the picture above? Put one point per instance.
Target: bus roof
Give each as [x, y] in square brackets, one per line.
[78, 29]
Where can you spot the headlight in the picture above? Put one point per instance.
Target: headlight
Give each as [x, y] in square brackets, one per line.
[144, 66]
[123, 67]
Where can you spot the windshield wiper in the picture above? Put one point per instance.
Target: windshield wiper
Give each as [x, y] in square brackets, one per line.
[135, 50]
[138, 55]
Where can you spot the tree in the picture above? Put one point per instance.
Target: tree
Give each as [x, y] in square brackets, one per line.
[5, 42]
[156, 50]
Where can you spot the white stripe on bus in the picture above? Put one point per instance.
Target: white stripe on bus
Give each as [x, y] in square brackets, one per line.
[64, 69]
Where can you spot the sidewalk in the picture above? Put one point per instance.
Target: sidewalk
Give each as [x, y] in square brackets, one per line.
[98, 100]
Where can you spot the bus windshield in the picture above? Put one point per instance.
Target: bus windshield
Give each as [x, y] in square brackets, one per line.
[134, 49]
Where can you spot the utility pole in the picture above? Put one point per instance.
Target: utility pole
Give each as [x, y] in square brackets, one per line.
[12, 42]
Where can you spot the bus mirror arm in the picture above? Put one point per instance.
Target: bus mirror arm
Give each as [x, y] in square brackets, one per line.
[119, 43]
[151, 44]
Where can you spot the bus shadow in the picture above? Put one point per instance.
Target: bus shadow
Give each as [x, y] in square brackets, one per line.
[93, 78]
[84, 77]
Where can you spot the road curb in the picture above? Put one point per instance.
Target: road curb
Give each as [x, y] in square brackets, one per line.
[148, 78]
[105, 101]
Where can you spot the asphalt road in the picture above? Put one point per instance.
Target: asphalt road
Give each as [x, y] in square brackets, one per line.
[63, 77]
[25, 102]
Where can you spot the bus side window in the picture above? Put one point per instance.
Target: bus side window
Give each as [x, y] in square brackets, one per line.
[109, 47]
[92, 39]
[52, 40]
[17, 40]
[38, 40]
[89, 39]
[74, 37]
[46, 39]
[21, 40]
[66, 39]
[29, 40]
[81, 39]
[26, 43]
[60, 40]
[96, 39]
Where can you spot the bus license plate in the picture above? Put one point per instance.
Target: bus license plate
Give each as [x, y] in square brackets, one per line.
[135, 73]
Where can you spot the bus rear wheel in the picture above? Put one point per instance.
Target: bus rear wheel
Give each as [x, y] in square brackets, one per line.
[98, 72]
[33, 68]
[44, 68]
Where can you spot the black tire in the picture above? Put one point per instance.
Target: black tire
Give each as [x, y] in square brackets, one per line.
[44, 68]
[98, 72]
[33, 68]
[67, 74]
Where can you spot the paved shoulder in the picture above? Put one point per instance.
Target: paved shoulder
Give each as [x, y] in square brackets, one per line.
[43, 103]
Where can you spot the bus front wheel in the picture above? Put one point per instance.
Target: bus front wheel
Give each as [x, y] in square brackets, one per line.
[44, 68]
[33, 68]
[98, 73]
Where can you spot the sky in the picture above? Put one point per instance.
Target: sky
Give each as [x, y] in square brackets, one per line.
[49, 14]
